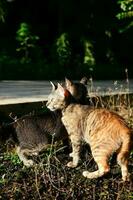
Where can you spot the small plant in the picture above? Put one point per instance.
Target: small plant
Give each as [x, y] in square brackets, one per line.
[13, 158]
[126, 13]
[88, 57]
[63, 48]
[27, 41]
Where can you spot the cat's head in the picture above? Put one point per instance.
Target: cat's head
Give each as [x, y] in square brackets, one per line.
[59, 98]
[78, 90]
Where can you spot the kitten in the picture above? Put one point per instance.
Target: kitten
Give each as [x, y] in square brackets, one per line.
[32, 133]
[105, 132]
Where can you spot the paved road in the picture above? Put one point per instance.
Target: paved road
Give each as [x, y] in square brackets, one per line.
[13, 92]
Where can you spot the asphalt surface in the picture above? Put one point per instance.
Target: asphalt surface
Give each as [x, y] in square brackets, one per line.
[14, 92]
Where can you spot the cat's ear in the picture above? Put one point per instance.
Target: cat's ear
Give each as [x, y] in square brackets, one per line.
[54, 87]
[68, 83]
[60, 89]
[63, 92]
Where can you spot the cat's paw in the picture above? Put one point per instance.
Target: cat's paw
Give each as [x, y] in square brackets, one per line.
[29, 163]
[126, 178]
[87, 174]
[91, 175]
[71, 164]
[35, 153]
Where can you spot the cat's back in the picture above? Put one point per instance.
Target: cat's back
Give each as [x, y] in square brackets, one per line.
[91, 113]
[94, 118]
[105, 116]
[47, 119]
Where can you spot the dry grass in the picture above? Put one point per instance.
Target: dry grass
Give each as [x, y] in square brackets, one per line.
[50, 179]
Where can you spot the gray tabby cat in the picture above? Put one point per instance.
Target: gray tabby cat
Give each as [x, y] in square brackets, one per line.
[105, 132]
[32, 133]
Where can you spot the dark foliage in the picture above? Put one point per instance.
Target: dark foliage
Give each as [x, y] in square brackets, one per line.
[92, 43]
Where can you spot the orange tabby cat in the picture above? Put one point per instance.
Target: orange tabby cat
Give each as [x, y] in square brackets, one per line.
[105, 131]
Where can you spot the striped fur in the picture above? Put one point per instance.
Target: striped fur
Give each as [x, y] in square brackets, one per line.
[105, 132]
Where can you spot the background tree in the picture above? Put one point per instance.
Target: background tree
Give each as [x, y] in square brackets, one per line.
[74, 37]
[126, 13]
[27, 41]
